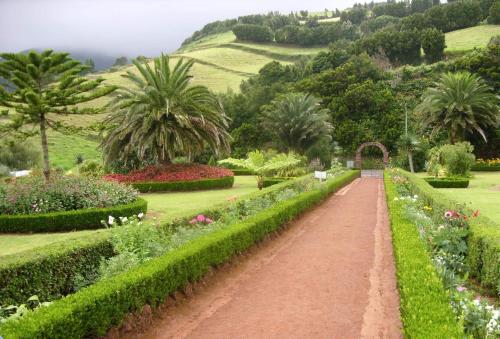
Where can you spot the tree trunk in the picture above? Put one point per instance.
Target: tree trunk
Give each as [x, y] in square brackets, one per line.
[410, 160]
[45, 148]
[452, 137]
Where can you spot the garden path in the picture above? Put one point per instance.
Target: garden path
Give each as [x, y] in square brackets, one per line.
[331, 274]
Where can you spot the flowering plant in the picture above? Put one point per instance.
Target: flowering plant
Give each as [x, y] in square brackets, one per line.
[172, 172]
[200, 219]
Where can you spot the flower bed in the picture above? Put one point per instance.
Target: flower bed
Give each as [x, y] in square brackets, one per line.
[487, 165]
[176, 177]
[448, 182]
[91, 311]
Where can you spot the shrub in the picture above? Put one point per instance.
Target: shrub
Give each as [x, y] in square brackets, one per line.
[91, 311]
[448, 182]
[50, 271]
[273, 181]
[486, 165]
[250, 32]
[65, 221]
[194, 185]
[494, 17]
[425, 307]
[91, 169]
[63, 193]
[458, 158]
[18, 155]
[433, 44]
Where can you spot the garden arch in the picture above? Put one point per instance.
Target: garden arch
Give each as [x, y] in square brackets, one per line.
[372, 143]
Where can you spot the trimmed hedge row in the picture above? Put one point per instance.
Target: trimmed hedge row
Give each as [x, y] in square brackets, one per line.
[425, 304]
[448, 182]
[93, 310]
[66, 221]
[485, 168]
[273, 181]
[242, 171]
[50, 271]
[483, 241]
[194, 185]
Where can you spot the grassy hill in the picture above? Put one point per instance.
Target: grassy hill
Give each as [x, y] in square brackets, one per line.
[469, 38]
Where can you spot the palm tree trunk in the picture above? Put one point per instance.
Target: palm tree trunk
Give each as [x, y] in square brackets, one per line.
[410, 160]
[45, 148]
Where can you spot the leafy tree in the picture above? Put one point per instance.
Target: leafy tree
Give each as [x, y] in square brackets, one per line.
[378, 23]
[250, 32]
[459, 103]
[162, 116]
[297, 122]
[436, 17]
[463, 14]
[355, 15]
[42, 85]
[420, 5]
[415, 21]
[494, 17]
[433, 44]
[397, 9]
[121, 61]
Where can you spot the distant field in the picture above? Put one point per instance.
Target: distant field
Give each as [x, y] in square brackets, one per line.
[469, 38]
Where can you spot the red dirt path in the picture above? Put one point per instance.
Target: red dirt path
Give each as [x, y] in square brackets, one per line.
[330, 275]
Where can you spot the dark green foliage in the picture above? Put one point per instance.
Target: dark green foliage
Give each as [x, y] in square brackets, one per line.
[433, 44]
[378, 23]
[483, 241]
[18, 155]
[121, 61]
[69, 220]
[316, 35]
[50, 271]
[425, 307]
[420, 5]
[494, 17]
[242, 171]
[396, 9]
[463, 14]
[448, 182]
[485, 168]
[355, 15]
[91, 311]
[273, 181]
[193, 185]
[414, 22]
[255, 33]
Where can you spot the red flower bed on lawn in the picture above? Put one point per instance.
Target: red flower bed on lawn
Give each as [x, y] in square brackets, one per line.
[174, 172]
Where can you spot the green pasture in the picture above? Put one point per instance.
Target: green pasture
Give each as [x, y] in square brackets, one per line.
[470, 38]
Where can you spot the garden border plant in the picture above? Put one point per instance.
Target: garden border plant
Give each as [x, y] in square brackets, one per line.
[425, 306]
[89, 218]
[483, 241]
[93, 310]
[177, 186]
[448, 182]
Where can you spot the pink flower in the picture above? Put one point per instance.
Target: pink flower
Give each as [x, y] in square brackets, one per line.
[193, 221]
[461, 289]
[200, 218]
[450, 214]
[208, 220]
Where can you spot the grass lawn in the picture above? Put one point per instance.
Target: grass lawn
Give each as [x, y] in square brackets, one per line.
[469, 38]
[483, 193]
[164, 206]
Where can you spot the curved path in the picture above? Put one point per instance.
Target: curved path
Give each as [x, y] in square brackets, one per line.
[329, 275]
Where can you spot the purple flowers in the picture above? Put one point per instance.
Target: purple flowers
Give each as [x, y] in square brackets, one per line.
[201, 219]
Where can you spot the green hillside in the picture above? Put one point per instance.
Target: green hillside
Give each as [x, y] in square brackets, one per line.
[470, 38]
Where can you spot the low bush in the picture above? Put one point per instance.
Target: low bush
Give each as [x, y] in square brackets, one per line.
[194, 185]
[487, 165]
[242, 171]
[483, 241]
[33, 196]
[273, 181]
[448, 182]
[485, 168]
[425, 304]
[50, 271]
[93, 310]
[89, 218]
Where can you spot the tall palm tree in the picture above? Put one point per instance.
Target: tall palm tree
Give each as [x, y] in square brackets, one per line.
[297, 122]
[161, 116]
[459, 103]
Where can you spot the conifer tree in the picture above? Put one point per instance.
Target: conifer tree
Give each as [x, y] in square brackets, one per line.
[39, 86]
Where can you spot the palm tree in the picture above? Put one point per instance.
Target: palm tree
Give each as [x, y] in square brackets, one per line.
[459, 103]
[162, 116]
[297, 122]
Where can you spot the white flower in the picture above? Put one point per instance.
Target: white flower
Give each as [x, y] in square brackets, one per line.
[396, 199]
[111, 220]
[140, 215]
[415, 196]
[123, 219]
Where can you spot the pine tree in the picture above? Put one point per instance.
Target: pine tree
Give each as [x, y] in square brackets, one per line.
[40, 85]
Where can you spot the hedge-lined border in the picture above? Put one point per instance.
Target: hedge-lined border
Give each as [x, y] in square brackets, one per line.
[93, 310]
[483, 241]
[193, 185]
[273, 181]
[485, 168]
[66, 221]
[448, 182]
[17, 277]
[425, 304]
[242, 171]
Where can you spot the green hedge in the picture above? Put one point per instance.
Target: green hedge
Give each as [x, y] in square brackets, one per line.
[66, 221]
[93, 310]
[49, 271]
[448, 182]
[273, 181]
[485, 168]
[483, 241]
[242, 171]
[425, 304]
[194, 185]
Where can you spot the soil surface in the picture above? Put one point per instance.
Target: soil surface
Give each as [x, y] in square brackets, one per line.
[331, 274]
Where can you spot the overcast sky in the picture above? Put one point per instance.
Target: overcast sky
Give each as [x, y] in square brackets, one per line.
[140, 27]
